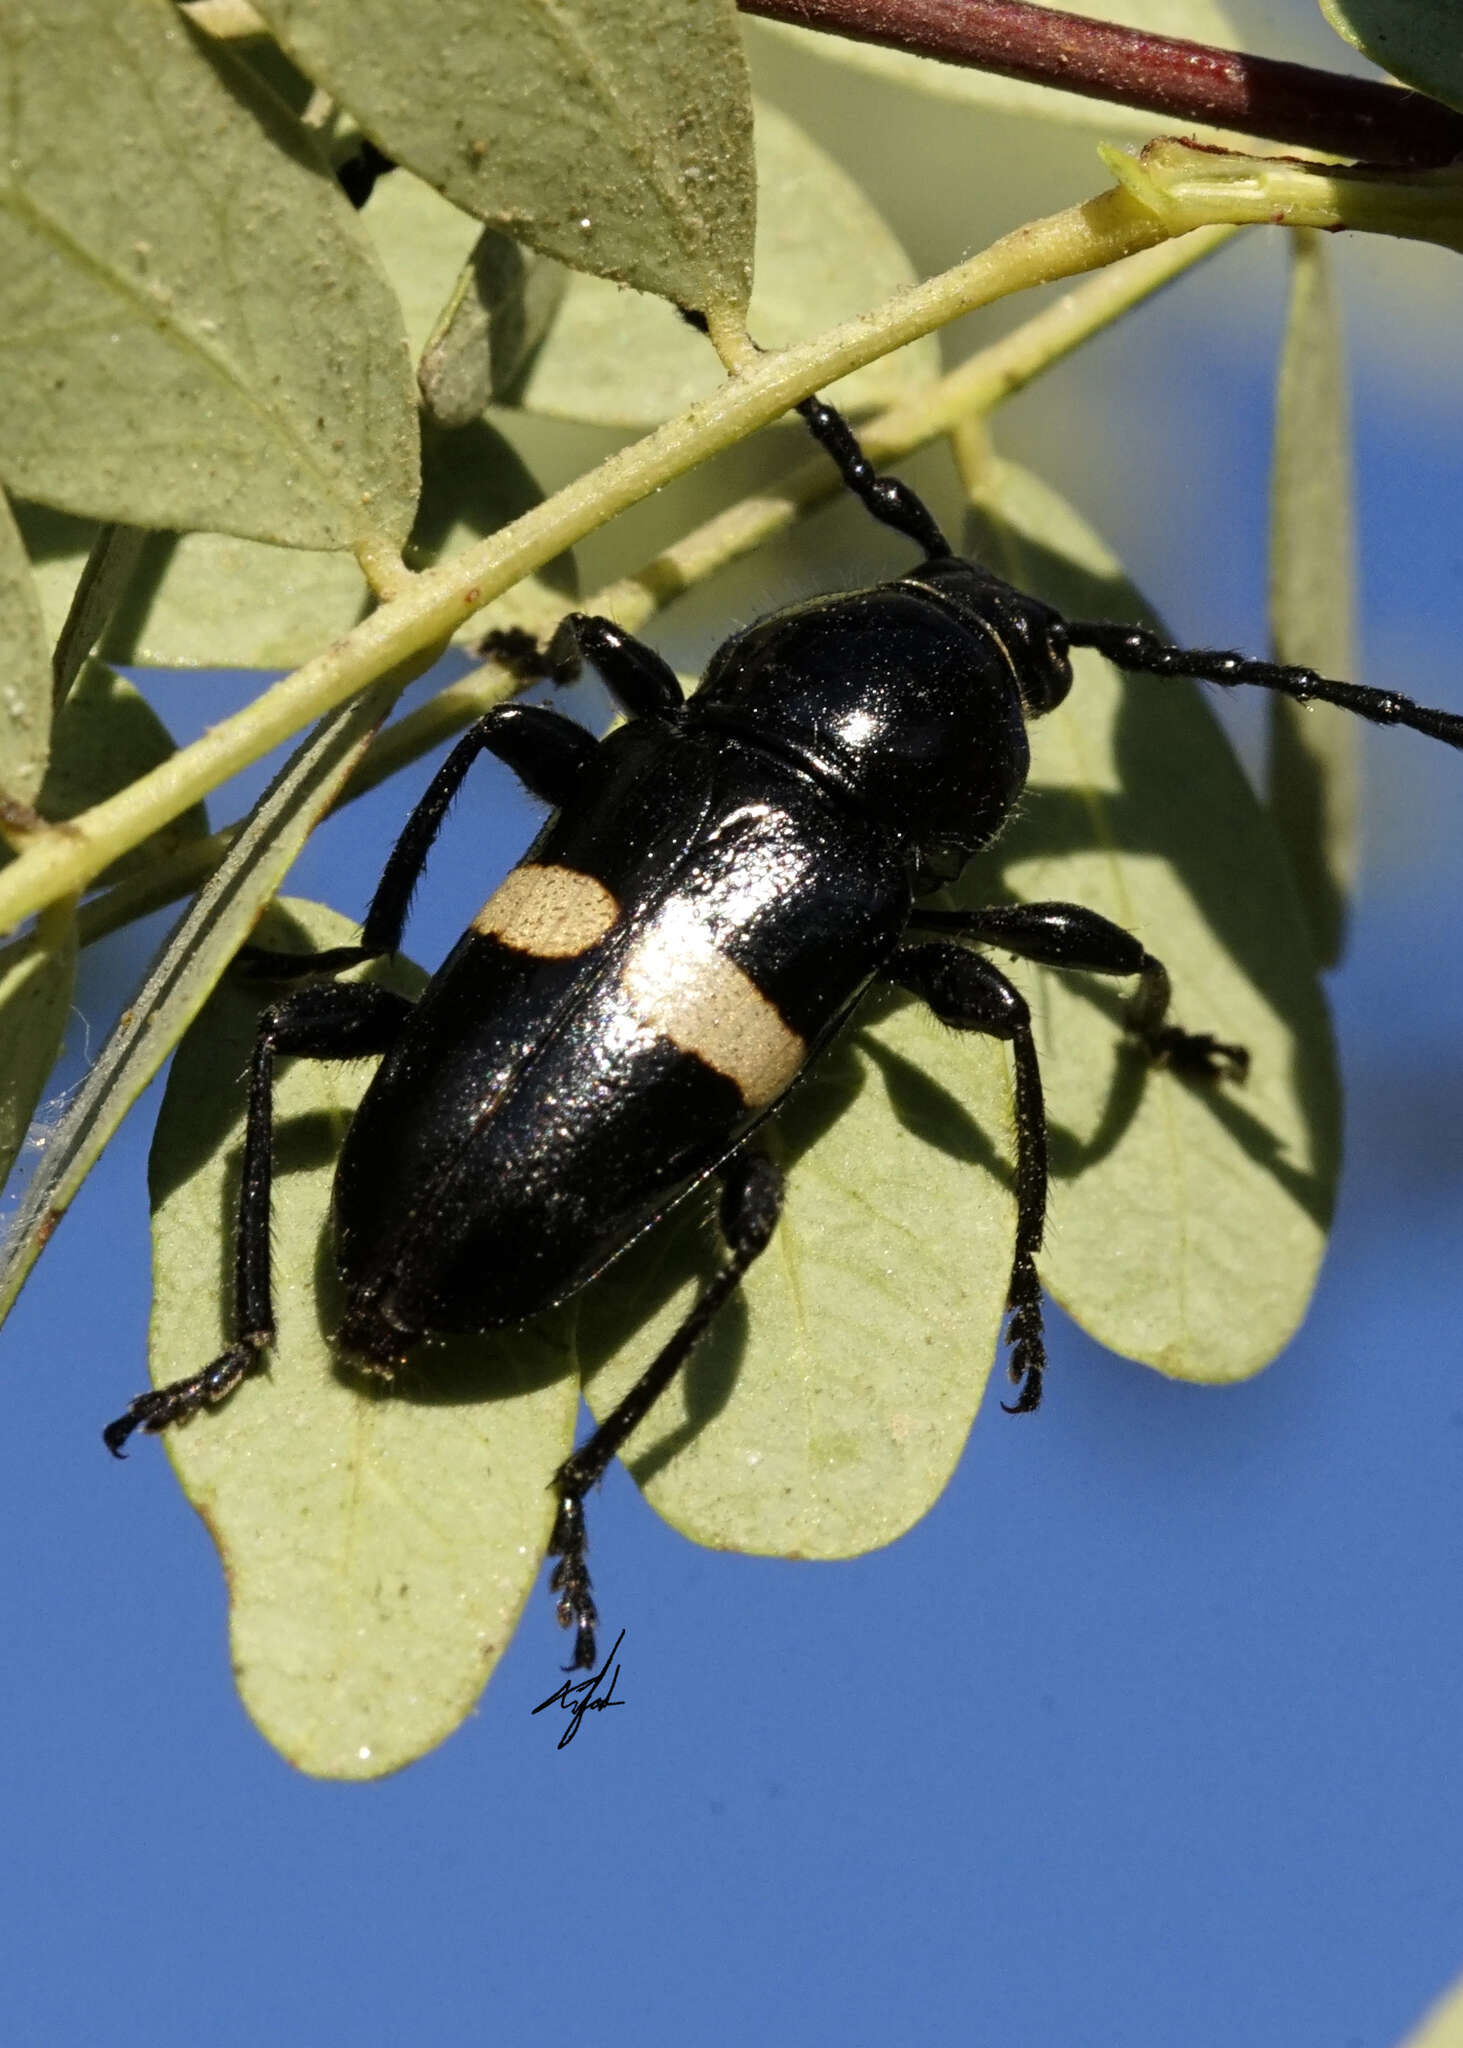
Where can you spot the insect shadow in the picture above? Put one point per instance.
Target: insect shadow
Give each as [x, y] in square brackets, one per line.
[687, 1247]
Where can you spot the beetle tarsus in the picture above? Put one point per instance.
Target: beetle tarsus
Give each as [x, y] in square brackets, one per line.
[160, 1406]
[570, 1576]
[1026, 1366]
[750, 1206]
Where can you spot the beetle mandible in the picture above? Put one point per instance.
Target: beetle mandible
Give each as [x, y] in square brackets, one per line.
[721, 882]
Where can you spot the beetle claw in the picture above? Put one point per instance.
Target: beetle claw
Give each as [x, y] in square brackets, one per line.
[570, 1580]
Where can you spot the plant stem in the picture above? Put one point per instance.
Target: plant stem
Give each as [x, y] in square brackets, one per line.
[1179, 80]
[1189, 182]
[972, 389]
[410, 629]
[1160, 199]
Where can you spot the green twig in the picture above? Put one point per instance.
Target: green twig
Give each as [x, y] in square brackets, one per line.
[426, 614]
[977, 385]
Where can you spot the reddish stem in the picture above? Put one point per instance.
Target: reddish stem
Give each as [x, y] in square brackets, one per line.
[1181, 81]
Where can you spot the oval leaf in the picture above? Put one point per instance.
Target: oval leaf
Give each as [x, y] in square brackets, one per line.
[208, 600]
[422, 241]
[1315, 750]
[826, 1409]
[823, 255]
[190, 962]
[25, 663]
[1187, 1222]
[502, 306]
[106, 735]
[1200, 21]
[211, 600]
[196, 334]
[378, 1548]
[59, 548]
[1418, 41]
[37, 975]
[824, 1412]
[615, 135]
[1442, 2025]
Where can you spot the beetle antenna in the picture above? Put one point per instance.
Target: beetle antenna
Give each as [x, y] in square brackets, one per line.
[890, 501]
[1138, 649]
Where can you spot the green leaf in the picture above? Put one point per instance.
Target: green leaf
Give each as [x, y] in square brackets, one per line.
[25, 662]
[207, 936]
[106, 735]
[612, 134]
[58, 547]
[823, 255]
[195, 332]
[110, 566]
[208, 600]
[203, 600]
[503, 304]
[1418, 41]
[1200, 21]
[37, 974]
[1187, 1222]
[378, 1547]
[826, 1409]
[1314, 766]
[422, 241]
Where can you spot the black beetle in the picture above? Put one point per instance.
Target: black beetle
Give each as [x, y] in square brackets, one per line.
[720, 884]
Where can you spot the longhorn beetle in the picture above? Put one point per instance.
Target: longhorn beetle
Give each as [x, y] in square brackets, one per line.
[720, 883]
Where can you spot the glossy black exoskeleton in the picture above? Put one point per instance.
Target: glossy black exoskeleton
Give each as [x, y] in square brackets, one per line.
[721, 881]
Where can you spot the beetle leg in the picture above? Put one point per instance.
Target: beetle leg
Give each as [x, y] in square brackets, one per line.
[640, 681]
[544, 749]
[333, 1021]
[1070, 936]
[1137, 649]
[968, 992]
[750, 1206]
[891, 502]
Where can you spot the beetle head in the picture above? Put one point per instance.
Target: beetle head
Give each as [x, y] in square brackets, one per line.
[1033, 635]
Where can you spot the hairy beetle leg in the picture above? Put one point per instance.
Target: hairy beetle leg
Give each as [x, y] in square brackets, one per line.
[545, 751]
[750, 1206]
[1069, 936]
[570, 1579]
[642, 682]
[969, 993]
[331, 1021]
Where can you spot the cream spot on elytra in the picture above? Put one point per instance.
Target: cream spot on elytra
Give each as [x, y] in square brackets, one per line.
[554, 913]
[677, 982]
